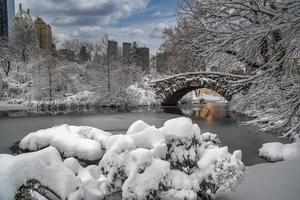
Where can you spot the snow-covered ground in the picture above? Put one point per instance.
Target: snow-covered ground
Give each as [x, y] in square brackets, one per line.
[176, 161]
[275, 181]
[272, 181]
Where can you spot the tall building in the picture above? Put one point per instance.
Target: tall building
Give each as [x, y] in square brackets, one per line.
[143, 58]
[162, 60]
[126, 51]
[83, 56]
[44, 33]
[7, 14]
[112, 48]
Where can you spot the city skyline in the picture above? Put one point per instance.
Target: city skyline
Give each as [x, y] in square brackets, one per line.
[137, 20]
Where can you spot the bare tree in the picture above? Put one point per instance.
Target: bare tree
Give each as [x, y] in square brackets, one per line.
[260, 35]
[24, 43]
[5, 62]
[76, 45]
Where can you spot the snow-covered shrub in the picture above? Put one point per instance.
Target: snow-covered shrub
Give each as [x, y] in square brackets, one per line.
[206, 168]
[175, 161]
[144, 95]
[89, 178]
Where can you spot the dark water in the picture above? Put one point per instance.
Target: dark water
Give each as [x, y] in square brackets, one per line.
[210, 117]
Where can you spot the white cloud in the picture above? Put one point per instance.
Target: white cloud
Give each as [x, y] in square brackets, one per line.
[88, 12]
[88, 20]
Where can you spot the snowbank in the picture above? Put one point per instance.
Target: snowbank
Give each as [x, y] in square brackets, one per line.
[278, 152]
[45, 166]
[85, 143]
[276, 181]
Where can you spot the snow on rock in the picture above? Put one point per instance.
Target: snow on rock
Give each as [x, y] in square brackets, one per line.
[44, 166]
[82, 142]
[92, 133]
[119, 143]
[180, 128]
[137, 127]
[151, 138]
[277, 152]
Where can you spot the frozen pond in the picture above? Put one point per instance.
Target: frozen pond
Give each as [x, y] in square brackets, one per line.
[211, 117]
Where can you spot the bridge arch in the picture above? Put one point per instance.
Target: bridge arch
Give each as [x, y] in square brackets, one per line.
[171, 89]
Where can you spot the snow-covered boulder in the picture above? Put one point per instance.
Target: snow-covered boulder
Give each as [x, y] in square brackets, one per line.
[179, 128]
[44, 166]
[137, 127]
[277, 152]
[151, 138]
[85, 143]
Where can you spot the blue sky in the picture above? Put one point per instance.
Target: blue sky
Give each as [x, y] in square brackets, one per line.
[122, 20]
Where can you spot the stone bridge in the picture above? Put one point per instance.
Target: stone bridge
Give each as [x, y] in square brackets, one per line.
[171, 89]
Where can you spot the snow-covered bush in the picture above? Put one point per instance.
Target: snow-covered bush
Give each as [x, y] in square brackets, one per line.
[144, 95]
[175, 161]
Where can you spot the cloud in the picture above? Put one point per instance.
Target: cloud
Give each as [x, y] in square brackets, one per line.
[123, 20]
[87, 32]
[85, 12]
[157, 29]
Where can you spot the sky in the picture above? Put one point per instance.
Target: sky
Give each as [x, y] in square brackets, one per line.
[123, 20]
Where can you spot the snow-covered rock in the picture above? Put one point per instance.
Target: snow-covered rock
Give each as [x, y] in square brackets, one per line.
[44, 166]
[179, 128]
[137, 127]
[277, 152]
[81, 142]
[151, 138]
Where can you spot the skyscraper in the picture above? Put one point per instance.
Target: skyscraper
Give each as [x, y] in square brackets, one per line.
[7, 14]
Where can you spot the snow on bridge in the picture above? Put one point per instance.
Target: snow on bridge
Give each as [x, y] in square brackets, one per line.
[171, 89]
